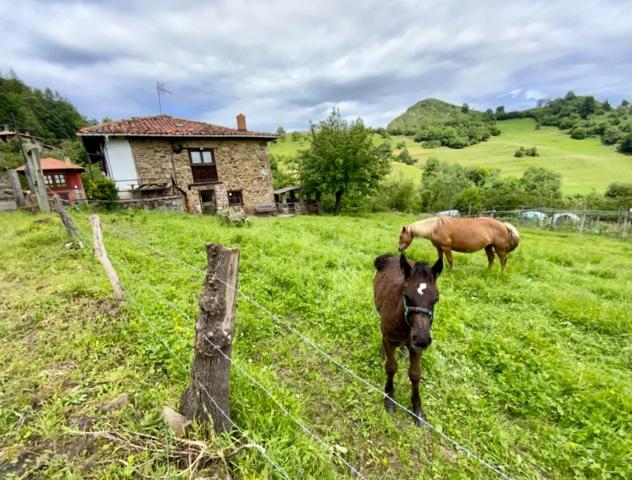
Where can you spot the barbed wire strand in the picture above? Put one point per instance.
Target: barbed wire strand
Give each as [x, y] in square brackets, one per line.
[261, 450]
[256, 382]
[330, 358]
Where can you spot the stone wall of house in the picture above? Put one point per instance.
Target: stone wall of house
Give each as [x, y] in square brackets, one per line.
[242, 164]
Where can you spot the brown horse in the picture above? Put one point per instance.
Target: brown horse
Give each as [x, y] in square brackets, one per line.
[464, 235]
[405, 294]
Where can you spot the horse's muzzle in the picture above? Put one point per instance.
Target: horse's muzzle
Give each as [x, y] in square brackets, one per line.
[421, 342]
[401, 247]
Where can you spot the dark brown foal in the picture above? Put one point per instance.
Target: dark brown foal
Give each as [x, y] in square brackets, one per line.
[405, 294]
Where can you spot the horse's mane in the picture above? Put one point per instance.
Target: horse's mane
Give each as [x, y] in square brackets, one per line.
[424, 228]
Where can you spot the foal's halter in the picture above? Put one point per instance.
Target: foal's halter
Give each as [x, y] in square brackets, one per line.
[425, 311]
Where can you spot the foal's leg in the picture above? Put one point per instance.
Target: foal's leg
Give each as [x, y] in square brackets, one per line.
[390, 365]
[489, 250]
[414, 374]
[502, 255]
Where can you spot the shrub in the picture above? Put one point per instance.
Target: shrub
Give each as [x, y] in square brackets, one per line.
[102, 189]
[579, 133]
[401, 144]
[405, 157]
[626, 144]
[520, 152]
[431, 144]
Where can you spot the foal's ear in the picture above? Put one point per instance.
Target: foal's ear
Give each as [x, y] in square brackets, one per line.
[403, 228]
[437, 267]
[405, 266]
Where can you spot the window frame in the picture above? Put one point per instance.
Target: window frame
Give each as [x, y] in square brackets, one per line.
[202, 166]
[241, 198]
[56, 180]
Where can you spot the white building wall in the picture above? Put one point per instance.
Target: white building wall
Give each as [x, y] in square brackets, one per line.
[120, 160]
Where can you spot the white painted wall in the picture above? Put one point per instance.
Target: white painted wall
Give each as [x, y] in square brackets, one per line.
[118, 154]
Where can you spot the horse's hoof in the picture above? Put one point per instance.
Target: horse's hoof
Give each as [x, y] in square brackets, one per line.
[419, 419]
[389, 406]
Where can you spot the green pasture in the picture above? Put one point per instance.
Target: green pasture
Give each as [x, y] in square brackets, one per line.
[530, 369]
[585, 165]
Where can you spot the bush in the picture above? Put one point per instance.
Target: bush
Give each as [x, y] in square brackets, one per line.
[626, 144]
[431, 144]
[528, 152]
[396, 194]
[102, 189]
[405, 157]
[579, 133]
[401, 144]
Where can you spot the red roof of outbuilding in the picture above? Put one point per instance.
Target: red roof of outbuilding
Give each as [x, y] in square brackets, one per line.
[167, 126]
[54, 164]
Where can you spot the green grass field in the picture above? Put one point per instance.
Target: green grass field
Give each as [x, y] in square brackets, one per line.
[585, 165]
[532, 370]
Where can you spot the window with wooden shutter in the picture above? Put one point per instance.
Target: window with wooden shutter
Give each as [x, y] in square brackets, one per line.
[203, 165]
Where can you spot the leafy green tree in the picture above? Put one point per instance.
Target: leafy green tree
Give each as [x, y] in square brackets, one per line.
[541, 185]
[626, 144]
[441, 183]
[500, 111]
[570, 95]
[469, 200]
[280, 131]
[606, 106]
[405, 157]
[465, 108]
[341, 158]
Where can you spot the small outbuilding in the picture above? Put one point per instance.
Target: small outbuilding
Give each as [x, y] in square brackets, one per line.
[287, 199]
[62, 178]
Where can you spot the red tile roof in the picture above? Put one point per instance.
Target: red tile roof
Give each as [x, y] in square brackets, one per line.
[54, 164]
[167, 126]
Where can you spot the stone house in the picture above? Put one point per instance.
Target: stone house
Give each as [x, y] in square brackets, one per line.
[208, 167]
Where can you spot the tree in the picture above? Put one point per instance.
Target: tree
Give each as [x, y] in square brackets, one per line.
[626, 144]
[340, 159]
[570, 95]
[465, 108]
[280, 132]
[606, 106]
[500, 112]
[541, 185]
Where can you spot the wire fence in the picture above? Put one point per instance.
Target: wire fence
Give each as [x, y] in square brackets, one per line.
[305, 339]
[598, 222]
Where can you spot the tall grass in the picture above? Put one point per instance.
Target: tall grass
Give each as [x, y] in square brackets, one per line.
[530, 369]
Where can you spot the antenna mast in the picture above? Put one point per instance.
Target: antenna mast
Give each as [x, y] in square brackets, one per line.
[160, 88]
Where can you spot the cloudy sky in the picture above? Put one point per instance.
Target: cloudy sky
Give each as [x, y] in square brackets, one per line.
[288, 62]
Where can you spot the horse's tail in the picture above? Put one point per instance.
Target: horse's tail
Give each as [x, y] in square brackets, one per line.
[513, 238]
[381, 261]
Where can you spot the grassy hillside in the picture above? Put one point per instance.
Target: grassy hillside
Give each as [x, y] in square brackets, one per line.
[584, 164]
[533, 377]
[430, 112]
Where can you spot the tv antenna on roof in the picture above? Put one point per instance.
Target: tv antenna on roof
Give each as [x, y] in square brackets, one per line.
[160, 88]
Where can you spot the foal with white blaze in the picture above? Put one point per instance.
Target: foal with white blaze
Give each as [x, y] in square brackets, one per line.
[405, 294]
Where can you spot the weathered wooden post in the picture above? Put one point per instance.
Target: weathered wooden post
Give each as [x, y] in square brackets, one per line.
[210, 372]
[36, 182]
[102, 255]
[17, 188]
[57, 206]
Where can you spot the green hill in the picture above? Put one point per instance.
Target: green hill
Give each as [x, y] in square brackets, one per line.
[585, 164]
[430, 112]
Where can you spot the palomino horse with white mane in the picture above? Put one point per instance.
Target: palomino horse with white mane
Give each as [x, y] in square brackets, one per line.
[464, 235]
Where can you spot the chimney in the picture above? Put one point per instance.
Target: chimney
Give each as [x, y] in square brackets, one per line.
[241, 122]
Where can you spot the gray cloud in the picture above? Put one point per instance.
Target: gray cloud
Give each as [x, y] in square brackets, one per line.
[286, 63]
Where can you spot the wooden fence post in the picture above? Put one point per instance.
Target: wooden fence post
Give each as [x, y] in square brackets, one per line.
[57, 206]
[34, 171]
[210, 372]
[17, 188]
[102, 255]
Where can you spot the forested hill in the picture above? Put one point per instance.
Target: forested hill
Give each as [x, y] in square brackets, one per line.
[583, 117]
[437, 123]
[44, 113]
